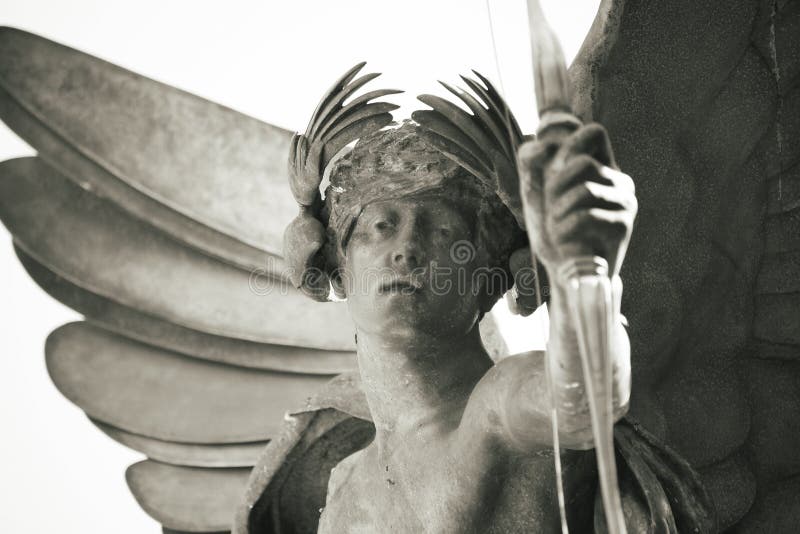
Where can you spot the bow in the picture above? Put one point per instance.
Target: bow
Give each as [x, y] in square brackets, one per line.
[585, 276]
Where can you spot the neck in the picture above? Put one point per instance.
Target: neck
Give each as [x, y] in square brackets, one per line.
[416, 383]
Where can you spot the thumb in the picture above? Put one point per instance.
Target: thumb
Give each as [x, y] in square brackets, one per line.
[532, 159]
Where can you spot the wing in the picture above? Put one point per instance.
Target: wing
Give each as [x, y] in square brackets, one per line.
[159, 217]
[702, 102]
[206, 175]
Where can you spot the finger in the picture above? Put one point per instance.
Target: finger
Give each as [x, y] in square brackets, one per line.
[580, 169]
[588, 195]
[596, 231]
[592, 140]
[532, 159]
[619, 179]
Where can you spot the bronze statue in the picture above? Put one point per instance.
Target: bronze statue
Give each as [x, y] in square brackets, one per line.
[171, 247]
[420, 247]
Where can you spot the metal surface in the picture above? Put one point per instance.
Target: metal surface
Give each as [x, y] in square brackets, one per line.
[154, 331]
[148, 391]
[586, 278]
[187, 454]
[188, 499]
[98, 247]
[205, 174]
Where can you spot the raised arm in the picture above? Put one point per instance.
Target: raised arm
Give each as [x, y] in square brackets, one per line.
[574, 199]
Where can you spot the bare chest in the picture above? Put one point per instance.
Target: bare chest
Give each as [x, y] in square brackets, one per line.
[435, 491]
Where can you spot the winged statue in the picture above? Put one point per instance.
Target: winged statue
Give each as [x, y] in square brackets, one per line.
[216, 342]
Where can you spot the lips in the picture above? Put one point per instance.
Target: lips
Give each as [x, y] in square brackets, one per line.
[401, 285]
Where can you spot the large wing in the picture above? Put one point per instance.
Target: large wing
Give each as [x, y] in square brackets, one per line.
[206, 175]
[702, 102]
[159, 217]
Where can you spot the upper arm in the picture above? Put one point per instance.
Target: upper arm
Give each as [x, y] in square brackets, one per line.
[510, 406]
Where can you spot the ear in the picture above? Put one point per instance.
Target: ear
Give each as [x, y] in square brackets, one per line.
[530, 283]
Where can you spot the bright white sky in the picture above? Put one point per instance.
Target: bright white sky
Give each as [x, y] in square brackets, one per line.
[268, 59]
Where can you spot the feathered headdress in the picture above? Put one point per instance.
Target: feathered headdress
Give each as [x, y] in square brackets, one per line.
[332, 127]
[483, 142]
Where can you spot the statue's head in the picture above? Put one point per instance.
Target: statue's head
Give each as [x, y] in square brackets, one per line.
[414, 241]
[414, 231]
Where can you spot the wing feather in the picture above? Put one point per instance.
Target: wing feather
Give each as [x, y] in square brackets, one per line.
[353, 131]
[187, 454]
[363, 113]
[354, 106]
[146, 328]
[94, 245]
[330, 94]
[187, 499]
[336, 103]
[162, 395]
[205, 174]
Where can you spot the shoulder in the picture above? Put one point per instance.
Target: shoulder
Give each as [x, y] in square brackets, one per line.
[511, 371]
[510, 395]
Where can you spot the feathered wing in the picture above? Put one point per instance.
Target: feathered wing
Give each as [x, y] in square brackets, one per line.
[702, 100]
[702, 103]
[159, 217]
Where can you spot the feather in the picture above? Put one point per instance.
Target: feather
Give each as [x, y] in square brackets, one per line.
[353, 131]
[481, 114]
[190, 499]
[504, 139]
[647, 485]
[354, 106]
[204, 174]
[139, 326]
[458, 155]
[187, 454]
[512, 127]
[331, 93]
[363, 113]
[127, 261]
[336, 103]
[461, 120]
[437, 124]
[162, 395]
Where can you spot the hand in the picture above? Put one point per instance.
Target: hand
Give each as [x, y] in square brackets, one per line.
[575, 200]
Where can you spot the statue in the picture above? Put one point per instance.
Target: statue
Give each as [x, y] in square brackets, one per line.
[190, 302]
[420, 247]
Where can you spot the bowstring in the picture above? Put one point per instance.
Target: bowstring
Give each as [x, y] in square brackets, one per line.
[562, 509]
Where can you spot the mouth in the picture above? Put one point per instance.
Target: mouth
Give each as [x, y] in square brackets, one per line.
[403, 285]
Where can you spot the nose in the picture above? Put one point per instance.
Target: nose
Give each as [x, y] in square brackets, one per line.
[407, 257]
[407, 253]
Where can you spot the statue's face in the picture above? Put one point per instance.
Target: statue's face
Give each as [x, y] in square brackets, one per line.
[409, 269]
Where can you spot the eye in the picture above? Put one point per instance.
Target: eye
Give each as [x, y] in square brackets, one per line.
[382, 225]
[445, 231]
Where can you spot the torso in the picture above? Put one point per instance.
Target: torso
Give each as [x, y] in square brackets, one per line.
[430, 485]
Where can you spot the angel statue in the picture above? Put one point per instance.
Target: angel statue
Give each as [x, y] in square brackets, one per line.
[307, 348]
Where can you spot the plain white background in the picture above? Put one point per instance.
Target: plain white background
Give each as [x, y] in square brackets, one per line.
[271, 60]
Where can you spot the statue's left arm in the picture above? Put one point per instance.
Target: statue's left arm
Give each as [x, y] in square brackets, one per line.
[574, 199]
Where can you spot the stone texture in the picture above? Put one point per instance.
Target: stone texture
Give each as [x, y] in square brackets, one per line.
[777, 318]
[774, 441]
[784, 191]
[775, 511]
[699, 87]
